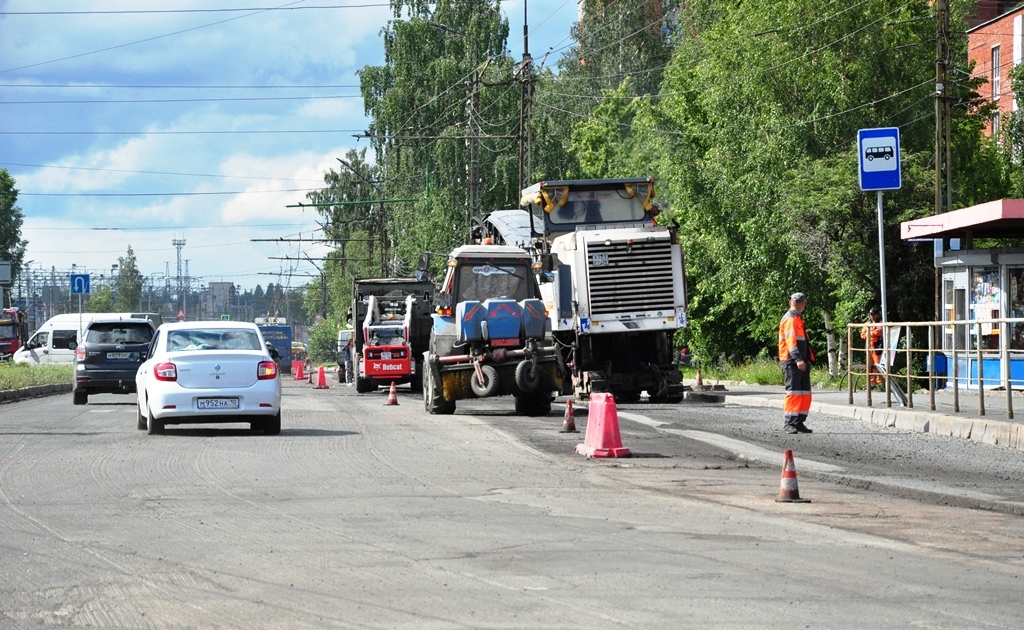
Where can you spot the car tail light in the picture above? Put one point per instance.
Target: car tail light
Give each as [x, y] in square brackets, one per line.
[266, 370]
[80, 352]
[166, 372]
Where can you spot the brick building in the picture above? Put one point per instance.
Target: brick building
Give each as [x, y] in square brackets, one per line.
[995, 43]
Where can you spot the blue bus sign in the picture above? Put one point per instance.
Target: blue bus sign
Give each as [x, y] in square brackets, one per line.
[79, 284]
[878, 152]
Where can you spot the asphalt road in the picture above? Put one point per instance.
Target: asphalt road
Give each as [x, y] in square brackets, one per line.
[366, 515]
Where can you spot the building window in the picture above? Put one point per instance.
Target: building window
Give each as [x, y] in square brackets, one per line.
[995, 125]
[995, 73]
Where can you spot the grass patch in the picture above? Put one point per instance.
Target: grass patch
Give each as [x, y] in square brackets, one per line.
[18, 375]
[758, 372]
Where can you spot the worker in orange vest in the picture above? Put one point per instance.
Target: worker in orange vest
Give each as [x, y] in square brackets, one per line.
[795, 357]
[873, 335]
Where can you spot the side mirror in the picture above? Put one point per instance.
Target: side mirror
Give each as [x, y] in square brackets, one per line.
[423, 262]
[546, 277]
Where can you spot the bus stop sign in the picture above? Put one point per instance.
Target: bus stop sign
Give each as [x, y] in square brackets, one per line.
[878, 152]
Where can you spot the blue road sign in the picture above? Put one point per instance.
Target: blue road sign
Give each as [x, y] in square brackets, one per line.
[878, 152]
[79, 284]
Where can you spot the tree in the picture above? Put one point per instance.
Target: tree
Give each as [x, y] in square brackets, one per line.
[101, 300]
[441, 108]
[129, 283]
[755, 122]
[12, 246]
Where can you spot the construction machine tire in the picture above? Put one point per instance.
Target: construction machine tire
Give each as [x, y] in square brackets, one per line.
[433, 400]
[490, 384]
[527, 377]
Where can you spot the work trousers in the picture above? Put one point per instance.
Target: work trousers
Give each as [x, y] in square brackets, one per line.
[797, 401]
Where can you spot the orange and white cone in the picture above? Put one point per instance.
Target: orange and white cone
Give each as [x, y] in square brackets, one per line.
[569, 421]
[321, 378]
[700, 379]
[392, 395]
[788, 490]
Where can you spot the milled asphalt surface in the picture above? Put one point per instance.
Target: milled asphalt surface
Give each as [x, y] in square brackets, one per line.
[967, 416]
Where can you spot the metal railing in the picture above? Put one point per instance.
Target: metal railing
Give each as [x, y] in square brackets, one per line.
[971, 348]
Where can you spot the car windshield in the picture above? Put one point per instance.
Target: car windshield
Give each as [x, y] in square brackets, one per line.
[213, 339]
[119, 333]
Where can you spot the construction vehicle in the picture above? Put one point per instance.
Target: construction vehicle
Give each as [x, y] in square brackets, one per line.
[13, 332]
[490, 334]
[612, 280]
[391, 326]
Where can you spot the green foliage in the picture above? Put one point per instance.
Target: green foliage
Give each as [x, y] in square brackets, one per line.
[322, 339]
[759, 113]
[12, 246]
[101, 300]
[129, 283]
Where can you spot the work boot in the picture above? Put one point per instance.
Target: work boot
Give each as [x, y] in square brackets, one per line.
[802, 428]
[791, 428]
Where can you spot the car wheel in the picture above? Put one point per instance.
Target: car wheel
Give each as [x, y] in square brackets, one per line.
[272, 425]
[80, 398]
[154, 426]
[489, 386]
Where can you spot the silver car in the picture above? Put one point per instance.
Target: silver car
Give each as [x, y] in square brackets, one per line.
[209, 372]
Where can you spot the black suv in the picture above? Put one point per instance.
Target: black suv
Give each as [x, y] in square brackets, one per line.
[109, 356]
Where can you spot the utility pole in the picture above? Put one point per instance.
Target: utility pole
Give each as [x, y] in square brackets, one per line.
[526, 100]
[179, 243]
[943, 134]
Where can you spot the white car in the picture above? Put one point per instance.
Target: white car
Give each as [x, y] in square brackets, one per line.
[209, 372]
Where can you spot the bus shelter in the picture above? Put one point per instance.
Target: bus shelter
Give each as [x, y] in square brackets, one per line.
[980, 291]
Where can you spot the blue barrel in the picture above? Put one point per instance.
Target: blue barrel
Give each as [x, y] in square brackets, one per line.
[534, 318]
[504, 319]
[469, 318]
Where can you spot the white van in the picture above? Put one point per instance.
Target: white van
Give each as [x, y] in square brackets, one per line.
[55, 341]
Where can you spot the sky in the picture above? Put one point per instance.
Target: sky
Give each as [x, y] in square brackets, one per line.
[138, 124]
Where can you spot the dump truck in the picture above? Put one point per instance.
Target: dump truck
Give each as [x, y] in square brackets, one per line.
[612, 279]
[490, 335]
[391, 330]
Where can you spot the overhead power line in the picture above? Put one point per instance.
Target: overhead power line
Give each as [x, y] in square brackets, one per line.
[235, 10]
[173, 133]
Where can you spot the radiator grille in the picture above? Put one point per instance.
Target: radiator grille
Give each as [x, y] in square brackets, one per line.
[624, 278]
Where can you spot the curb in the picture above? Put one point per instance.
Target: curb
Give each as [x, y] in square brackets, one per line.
[980, 430]
[35, 391]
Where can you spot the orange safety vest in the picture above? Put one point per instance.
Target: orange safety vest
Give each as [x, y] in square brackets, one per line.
[793, 345]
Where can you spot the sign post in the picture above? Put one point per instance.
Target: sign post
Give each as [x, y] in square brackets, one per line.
[878, 152]
[80, 287]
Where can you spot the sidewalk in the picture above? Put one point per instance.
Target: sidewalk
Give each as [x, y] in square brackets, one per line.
[969, 423]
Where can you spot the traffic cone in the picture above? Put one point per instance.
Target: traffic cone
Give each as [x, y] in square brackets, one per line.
[788, 491]
[700, 378]
[602, 438]
[392, 395]
[297, 368]
[569, 423]
[321, 378]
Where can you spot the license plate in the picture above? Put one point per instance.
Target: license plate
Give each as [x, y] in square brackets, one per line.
[217, 403]
[600, 260]
[119, 356]
[385, 355]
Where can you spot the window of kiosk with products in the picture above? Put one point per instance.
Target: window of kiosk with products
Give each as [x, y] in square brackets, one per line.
[981, 285]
